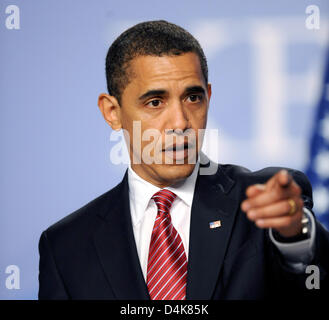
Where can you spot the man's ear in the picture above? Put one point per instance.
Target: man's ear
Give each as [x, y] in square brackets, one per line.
[209, 95]
[209, 90]
[111, 110]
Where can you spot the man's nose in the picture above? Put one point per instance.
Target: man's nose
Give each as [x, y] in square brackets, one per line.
[178, 118]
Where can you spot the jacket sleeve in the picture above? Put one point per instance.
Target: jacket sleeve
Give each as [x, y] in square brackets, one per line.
[51, 286]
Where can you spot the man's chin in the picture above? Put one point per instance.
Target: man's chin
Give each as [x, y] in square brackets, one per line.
[173, 173]
[164, 175]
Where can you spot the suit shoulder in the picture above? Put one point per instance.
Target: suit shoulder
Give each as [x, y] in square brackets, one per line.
[242, 174]
[85, 218]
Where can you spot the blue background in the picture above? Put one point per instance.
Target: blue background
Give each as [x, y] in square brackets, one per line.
[265, 67]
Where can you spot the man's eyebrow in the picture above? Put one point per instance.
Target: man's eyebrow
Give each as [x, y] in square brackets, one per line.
[195, 89]
[152, 93]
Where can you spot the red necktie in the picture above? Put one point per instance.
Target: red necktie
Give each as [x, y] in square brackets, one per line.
[167, 263]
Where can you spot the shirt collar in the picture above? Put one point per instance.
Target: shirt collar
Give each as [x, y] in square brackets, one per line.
[141, 192]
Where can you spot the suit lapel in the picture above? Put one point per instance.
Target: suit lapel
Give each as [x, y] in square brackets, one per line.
[213, 200]
[116, 248]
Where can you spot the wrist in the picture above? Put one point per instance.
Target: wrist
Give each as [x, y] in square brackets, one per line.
[303, 234]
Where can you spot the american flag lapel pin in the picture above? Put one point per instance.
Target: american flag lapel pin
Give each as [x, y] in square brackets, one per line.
[215, 224]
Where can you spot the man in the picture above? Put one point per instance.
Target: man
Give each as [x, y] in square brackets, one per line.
[167, 231]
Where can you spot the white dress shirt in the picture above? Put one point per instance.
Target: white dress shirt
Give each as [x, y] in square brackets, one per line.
[144, 210]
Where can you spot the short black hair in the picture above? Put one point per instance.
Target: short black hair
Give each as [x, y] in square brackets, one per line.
[155, 38]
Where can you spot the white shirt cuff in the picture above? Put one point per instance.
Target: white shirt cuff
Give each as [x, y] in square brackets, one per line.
[298, 254]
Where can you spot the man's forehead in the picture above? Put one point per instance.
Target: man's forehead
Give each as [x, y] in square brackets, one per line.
[152, 65]
[148, 70]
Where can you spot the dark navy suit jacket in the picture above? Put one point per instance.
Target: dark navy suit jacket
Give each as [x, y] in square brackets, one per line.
[91, 254]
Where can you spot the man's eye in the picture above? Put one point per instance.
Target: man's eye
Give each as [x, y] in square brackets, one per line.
[154, 103]
[195, 97]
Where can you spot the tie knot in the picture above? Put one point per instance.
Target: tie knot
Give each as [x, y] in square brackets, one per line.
[164, 200]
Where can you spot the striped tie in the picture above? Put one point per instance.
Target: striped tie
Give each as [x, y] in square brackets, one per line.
[167, 263]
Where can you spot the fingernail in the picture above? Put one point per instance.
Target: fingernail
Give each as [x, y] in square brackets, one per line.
[287, 177]
[284, 172]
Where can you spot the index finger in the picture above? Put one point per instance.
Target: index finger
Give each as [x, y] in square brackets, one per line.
[284, 178]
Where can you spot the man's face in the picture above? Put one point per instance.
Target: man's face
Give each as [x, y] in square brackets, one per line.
[168, 95]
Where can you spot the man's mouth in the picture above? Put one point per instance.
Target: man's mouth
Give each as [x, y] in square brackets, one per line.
[178, 147]
[178, 151]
